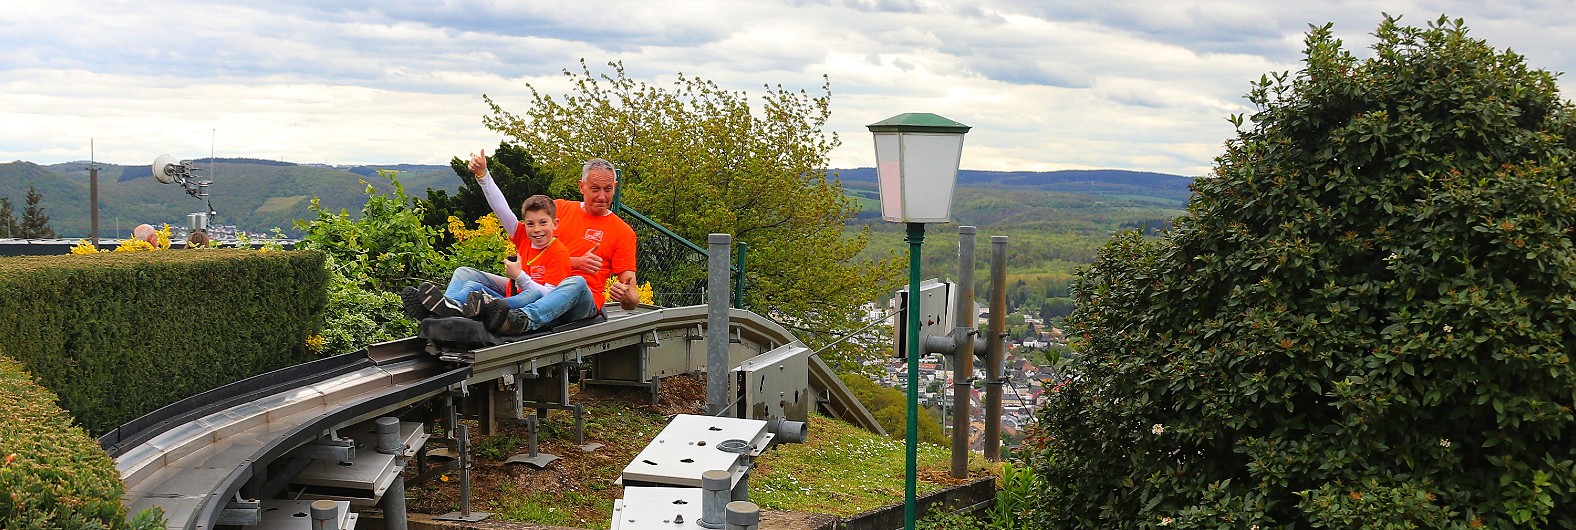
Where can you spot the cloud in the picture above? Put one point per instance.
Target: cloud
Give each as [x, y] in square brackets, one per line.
[1046, 83]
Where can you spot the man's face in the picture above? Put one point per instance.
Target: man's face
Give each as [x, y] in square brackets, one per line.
[538, 227]
[597, 188]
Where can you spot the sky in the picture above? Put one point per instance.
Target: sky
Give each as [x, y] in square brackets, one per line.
[1045, 84]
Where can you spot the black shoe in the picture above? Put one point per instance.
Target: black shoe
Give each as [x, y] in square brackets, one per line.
[410, 301]
[432, 300]
[474, 303]
[515, 322]
[493, 313]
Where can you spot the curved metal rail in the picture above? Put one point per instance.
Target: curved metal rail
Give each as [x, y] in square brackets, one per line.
[190, 464]
[189, 458]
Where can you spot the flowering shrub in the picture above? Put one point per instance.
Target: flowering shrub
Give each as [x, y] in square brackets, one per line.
[1363, 321]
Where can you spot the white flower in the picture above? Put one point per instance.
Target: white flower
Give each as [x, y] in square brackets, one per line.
[1158, 429]
[1165, 521]
[1444, 442]
[1448, 329]
[1392, 257]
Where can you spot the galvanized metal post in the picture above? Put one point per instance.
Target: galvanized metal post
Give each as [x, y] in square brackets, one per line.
[715, 485]
[963, 353]
[993, 351]
[325, 515]
[389, 443]
[743, 515]
[717, 323]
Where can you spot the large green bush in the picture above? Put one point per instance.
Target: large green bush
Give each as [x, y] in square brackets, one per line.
[52, 475]
[118, 335]
[1364, 320]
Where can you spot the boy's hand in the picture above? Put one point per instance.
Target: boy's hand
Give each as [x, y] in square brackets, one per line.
[479, 165]
[589, 262]
[512, 267]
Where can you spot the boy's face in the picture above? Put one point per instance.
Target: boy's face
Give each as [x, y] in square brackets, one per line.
[538, 227]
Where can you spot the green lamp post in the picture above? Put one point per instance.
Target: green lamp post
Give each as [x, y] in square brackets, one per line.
[917, 157]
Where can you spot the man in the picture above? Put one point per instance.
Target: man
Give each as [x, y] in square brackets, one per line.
[601, 245]
[146, 232]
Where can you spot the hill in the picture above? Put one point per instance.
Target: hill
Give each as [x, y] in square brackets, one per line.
[1138, 186]
[256, 195]
[259, 195]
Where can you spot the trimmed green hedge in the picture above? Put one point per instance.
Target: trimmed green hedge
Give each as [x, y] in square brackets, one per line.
[51, 474]
[118, 335]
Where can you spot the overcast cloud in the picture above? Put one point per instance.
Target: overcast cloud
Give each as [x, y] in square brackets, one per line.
[1047, 84]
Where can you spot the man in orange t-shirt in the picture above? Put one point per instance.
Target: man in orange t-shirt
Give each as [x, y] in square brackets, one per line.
[601, 245]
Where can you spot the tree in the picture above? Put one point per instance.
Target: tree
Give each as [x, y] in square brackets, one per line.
[889, 406]
[8, 225]
[1364, 318]
[511, 167]
[35, 225]
[700, 160]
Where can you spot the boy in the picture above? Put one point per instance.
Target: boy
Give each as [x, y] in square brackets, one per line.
[537, 291]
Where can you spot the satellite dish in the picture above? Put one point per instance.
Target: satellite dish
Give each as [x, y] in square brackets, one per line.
[166, 168]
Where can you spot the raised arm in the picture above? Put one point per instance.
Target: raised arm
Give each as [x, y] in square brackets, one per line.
[500, 205]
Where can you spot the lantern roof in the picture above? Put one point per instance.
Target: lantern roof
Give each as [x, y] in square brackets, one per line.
[922, 122]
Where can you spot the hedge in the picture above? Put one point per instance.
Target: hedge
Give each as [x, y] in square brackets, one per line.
[118, 335]
[51, 474]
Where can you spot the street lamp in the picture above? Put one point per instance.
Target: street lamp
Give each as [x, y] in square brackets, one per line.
[917, 158]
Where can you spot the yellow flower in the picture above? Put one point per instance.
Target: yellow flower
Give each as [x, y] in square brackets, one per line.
[647, 296]
[315, 343]
[83, 247]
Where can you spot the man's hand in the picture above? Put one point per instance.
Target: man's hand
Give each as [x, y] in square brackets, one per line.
[589, 262]
[623, 290]
[479, 165]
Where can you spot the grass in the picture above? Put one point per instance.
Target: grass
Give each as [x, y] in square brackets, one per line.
[843, 470]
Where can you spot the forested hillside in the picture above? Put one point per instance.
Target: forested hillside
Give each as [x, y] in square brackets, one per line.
[1051, 231]
[256, 195]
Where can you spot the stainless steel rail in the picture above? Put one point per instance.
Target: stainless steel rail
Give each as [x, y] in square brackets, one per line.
[191, 469]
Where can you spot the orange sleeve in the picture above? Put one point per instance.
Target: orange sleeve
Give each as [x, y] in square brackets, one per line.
[624, 253]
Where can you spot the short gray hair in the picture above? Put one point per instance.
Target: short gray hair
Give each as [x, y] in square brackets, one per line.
[596, 163]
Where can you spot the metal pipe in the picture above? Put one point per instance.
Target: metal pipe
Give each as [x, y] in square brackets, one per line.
[714, 500]
[964, 321]
[993, 341]
[394, 516]
[717, 323]
[743, 515]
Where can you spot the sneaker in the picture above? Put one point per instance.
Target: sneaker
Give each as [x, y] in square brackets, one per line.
[410, 301]
[433, 301]
[474, 301]
[515, 322]
[493, 313]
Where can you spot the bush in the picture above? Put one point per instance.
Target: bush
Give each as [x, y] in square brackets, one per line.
[51, 474]
[120, 334]
[1363, 320]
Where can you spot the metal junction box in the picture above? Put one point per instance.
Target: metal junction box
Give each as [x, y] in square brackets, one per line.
[691, 445]
[935, 313]
[776, 385]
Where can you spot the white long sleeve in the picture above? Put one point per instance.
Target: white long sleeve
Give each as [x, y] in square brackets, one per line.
[500, 205]
[526, 282]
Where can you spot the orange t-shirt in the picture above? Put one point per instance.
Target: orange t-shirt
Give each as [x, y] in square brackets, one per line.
[614, 239]
[548, 265]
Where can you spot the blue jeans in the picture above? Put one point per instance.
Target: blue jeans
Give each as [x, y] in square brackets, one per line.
[570, 300]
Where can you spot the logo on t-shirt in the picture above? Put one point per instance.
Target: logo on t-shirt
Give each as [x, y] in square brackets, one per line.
[537, 272]
[593, 234]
